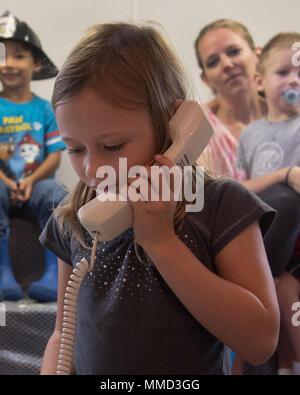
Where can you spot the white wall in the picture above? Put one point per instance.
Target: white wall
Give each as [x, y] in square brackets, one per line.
[61, 23]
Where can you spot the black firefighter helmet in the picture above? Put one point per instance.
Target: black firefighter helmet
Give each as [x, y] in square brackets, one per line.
[13, 29]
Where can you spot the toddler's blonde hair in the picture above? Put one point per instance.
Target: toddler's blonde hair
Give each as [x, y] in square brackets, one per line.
[281, 40]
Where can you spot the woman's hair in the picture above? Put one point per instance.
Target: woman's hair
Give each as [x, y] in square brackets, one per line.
[236, 27]
[130, 66]
[281, 40]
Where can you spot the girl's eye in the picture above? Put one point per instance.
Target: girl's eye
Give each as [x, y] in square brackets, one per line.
[113, 147]
[74, 151]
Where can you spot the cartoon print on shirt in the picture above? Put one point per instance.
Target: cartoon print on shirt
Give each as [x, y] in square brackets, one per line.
[268, 157]
[29, 149]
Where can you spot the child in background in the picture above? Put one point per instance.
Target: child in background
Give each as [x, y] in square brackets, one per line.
[269, 151]
[207, 282]
[30, 150]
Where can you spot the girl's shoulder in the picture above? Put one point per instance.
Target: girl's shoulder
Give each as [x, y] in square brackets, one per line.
[227, 209]
[58, 239]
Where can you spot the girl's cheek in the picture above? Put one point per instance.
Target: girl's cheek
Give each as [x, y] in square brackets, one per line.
[78, 168]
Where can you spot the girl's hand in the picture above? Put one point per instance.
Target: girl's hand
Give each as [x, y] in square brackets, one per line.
[25, 189]
[294, 178]
[153, 221]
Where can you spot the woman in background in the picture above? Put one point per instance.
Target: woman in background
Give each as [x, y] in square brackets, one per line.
[228, 59]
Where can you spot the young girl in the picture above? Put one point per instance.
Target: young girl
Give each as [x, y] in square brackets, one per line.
[269, 152]
[206, 282]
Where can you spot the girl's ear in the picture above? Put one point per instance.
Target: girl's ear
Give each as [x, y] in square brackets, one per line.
[177, 104]
[259, 81]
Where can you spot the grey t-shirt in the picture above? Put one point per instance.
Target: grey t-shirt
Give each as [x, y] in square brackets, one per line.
[265, 147]
[129, 321]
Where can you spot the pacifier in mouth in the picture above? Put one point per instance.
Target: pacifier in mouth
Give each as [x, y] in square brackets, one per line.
[291, 96]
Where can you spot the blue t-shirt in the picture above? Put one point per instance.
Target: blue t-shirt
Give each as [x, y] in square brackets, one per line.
[28, 133]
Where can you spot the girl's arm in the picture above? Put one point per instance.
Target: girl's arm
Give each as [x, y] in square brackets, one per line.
[50, 358]
[239, 304]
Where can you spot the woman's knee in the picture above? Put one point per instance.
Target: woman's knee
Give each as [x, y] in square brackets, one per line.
[287, 286]
[283, 199]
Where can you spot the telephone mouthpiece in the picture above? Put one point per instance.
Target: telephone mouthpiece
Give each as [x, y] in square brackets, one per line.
[291, 96]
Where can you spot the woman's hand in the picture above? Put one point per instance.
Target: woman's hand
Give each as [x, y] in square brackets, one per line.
[294, 178]
[153, 221]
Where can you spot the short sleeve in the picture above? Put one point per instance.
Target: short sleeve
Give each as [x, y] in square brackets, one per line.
[53, 141]
[241, 160]
[53, 239]
[234, 209]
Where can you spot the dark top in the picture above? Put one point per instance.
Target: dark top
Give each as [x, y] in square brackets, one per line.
[129, 321]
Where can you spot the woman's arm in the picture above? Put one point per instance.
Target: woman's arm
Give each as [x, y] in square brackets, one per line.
[50, 358]
[239, 305]
[259, 184]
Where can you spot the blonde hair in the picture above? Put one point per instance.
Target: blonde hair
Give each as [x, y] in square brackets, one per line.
[236, 27]
[281, 40]
[128, 65]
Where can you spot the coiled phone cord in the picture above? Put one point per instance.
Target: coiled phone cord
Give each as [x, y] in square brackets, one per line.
[65, 356]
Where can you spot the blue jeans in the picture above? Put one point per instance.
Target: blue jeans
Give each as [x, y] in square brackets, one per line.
[45, 195]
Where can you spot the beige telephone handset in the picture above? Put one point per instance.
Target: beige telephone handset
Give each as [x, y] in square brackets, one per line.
[190, 133]
[104, 220]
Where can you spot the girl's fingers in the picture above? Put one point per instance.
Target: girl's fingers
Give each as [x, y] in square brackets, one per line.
[155, 183]
[163, 160]
[174, 175]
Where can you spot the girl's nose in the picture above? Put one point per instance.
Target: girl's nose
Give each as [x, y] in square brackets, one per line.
[92, 164]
